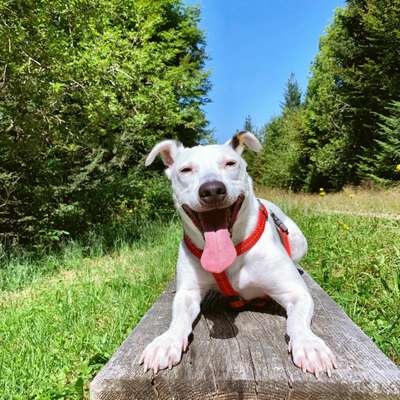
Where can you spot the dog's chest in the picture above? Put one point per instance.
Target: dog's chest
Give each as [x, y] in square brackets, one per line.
[246, 280]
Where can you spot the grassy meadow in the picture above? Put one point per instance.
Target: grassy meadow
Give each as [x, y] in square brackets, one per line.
[61, 317]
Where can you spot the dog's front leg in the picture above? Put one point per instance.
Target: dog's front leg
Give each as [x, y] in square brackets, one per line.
[283, 283]
[309, 352]
[166, 350]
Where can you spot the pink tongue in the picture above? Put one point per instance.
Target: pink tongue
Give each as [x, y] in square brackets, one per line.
[219, 252]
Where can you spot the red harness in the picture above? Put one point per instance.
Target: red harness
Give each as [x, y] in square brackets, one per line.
[236, 301]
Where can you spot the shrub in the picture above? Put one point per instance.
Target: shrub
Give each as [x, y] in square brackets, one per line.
[87, 87]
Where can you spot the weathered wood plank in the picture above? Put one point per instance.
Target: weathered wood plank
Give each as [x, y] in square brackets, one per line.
[243, 355]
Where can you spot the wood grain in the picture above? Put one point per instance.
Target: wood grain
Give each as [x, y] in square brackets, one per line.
[243, 355]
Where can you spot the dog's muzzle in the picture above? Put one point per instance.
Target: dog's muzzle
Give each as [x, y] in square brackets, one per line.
[216, 225]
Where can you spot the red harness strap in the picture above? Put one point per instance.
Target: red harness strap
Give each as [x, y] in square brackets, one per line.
[283, 233]
[221, 279]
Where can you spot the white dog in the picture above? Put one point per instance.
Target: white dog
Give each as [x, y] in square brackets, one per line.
[214, 196]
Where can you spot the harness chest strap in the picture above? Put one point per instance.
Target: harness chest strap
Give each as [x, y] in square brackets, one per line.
[221, 279]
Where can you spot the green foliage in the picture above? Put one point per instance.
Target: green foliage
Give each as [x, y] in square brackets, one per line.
[67, 314]
[278, 163]
[87, 88]
[383, 167]
[249, 156]
[248, 125]
[346, 133]
[354, 78]
[292, 95]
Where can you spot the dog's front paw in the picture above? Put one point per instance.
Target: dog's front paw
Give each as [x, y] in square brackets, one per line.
[310, 353]
[165, 351]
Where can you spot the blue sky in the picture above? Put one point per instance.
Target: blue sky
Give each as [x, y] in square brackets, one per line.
[253, 47]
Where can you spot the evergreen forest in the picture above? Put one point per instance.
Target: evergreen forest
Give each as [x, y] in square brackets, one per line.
[345, 130]
[88, 87]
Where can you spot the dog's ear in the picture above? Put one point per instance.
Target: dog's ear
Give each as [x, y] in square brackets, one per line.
[168, 149]
[244, 139]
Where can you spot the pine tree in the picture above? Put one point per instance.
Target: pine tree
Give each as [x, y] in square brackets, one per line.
[383, 167]
[248, 125]
[354, 79]
[292, 95]
[250, 157]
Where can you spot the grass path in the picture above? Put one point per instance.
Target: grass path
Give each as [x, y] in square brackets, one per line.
[355, 200]
[62, 317]
[392, 217]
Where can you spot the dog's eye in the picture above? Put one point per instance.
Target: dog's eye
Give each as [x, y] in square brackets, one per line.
[185, 170]
[230, 163]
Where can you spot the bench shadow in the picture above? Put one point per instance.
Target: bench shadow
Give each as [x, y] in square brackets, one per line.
[221, 316]
[217, 311]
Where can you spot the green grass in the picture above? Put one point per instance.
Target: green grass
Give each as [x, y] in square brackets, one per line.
[60, 328]
[63, 316]
[357, 261]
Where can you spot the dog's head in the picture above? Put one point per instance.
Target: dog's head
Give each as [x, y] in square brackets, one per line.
[208, 177]
[209, 182]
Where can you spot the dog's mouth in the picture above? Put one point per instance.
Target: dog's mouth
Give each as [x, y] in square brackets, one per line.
[219, 252]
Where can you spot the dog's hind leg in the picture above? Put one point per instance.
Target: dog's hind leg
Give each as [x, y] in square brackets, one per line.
[298, 242]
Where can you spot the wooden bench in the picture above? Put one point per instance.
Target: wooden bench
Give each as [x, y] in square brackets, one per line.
[243, 355]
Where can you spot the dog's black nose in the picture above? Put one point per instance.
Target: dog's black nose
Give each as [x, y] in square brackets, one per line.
[212, 192]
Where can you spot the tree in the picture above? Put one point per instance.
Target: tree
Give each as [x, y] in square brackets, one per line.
[278, 164]
[292, 95]
[337, 133]
[383, 167]
[250, 157]
[86, 89]
[248, 125]
[354, 79]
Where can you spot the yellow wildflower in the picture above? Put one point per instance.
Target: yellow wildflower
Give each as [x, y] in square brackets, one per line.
[344, 226]
[398, 168]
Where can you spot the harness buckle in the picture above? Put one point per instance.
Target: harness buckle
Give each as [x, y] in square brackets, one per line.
[279, 223]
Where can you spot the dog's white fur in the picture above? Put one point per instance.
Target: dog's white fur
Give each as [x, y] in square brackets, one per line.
[265, 269]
